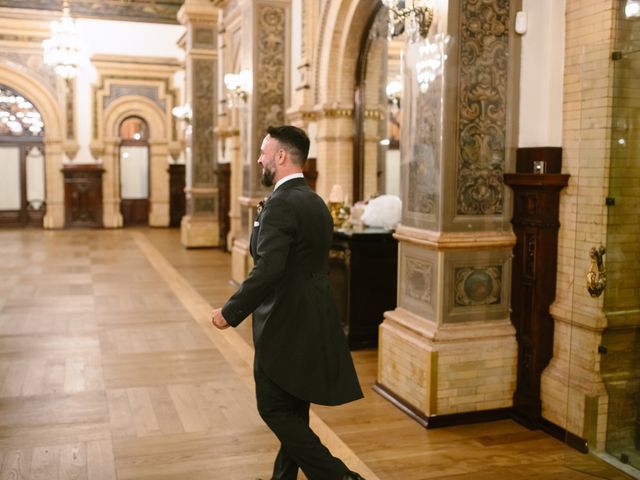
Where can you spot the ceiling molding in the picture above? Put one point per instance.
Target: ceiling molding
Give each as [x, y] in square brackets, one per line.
[152, 11]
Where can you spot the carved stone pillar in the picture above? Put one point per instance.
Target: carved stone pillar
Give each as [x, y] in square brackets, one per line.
[111, 214]
[265, 53]
[449, 347]
[334, 144]
[200, 226]
[159, 201]
[232, 149]
[54, 216]
[302, 101]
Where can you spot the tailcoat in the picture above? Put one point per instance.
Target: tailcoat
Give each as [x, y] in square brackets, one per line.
[298, 336]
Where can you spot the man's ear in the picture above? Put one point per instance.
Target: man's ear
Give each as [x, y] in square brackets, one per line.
[282, 156]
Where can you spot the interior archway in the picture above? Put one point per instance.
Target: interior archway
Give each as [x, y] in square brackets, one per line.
[158, 140]
[44, 101]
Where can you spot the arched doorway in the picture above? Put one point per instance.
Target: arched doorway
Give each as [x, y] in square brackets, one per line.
[134, 171]
[22, 162]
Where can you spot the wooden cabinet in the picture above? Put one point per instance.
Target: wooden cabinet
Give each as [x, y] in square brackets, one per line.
[363, 272]
[82, 195]
[533, 287]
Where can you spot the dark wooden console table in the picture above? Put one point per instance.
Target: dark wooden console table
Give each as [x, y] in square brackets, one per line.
[363, 271]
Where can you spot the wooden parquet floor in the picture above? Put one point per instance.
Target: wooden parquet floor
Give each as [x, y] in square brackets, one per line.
[109, 369]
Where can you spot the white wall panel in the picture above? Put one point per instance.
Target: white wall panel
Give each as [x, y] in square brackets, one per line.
[9, 178]
[134, 172]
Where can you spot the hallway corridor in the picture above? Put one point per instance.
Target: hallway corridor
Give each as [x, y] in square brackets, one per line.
[109, 369]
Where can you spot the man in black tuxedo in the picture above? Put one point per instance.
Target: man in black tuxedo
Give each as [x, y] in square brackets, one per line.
[301, 353]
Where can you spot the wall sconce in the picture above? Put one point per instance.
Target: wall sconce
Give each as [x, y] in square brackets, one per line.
[412, 16]
[182, 112]
[632, 9]
[238, 86]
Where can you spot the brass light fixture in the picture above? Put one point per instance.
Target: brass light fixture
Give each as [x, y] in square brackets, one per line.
[413, 17]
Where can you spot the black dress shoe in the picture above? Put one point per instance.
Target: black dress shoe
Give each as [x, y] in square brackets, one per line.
[352, 476]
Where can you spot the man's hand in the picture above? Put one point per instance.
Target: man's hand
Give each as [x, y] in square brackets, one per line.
[218, 320]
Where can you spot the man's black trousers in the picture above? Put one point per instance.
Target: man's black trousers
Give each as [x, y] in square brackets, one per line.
[288, 417]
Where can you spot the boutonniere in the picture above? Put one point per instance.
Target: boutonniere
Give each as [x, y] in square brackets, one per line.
[261, 204]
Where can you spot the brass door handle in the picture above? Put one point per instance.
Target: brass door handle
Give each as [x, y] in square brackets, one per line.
[597, 274]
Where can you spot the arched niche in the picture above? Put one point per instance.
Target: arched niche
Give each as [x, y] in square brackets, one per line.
[108, 147]
[51, 110]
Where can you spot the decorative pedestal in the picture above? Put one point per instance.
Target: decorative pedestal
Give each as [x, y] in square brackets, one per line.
[535, 223]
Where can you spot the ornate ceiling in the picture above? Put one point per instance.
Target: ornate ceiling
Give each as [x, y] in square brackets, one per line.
[157, 11]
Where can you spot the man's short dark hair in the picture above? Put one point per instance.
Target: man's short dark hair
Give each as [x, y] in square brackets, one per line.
[292, 139]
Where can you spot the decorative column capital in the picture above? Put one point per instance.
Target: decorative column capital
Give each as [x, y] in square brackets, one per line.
[199, 11]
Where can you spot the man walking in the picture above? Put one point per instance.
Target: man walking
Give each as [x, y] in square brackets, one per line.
[301, 353]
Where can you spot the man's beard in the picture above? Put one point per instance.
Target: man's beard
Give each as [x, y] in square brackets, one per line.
[267, 177]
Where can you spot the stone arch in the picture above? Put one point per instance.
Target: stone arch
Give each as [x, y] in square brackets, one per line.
[159, 139]
[44, 100]
[342, 25]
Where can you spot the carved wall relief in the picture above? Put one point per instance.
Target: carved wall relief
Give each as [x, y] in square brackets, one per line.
[271, 68]
[478, 285]
[122, 90]
[482, 106]
[422, 147]
[418, 279]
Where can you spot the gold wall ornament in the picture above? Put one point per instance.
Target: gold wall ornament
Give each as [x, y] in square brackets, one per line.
[597, 274]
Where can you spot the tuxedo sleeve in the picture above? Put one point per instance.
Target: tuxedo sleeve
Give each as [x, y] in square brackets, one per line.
[276, 234]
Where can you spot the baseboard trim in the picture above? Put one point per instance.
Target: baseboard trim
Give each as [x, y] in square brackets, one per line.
[563, 435]
[437, 421]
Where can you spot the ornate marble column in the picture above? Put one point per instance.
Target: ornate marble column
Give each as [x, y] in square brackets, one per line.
[200, 226]
[265, 53]
[449, 347]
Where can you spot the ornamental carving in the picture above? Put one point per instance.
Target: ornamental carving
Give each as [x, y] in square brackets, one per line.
[424, 156]
[478, 286]
[117, 91]
[203, 122]
[33, 66]
[482, 106]
[204, 38]
[418, 280]
[270, 73]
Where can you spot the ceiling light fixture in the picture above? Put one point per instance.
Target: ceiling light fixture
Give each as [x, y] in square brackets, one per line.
[62, 51]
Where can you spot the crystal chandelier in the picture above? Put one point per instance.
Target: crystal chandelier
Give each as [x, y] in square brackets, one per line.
[412, 17]
[62, 50]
